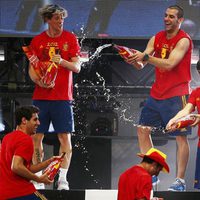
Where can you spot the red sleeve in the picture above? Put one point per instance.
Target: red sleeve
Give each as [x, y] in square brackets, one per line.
[192, 98]
[34, 44]
[25, 149]
[74, 49]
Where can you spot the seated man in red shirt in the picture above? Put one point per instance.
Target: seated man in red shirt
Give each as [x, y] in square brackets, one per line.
[16, 169]
[136, 182]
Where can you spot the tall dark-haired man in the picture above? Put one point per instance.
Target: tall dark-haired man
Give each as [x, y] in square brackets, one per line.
[170, 52]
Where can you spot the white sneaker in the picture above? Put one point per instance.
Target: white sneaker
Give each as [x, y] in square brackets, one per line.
[63, 185]
[38, 186]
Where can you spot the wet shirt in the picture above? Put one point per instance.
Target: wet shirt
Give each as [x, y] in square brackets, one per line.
[135, 183]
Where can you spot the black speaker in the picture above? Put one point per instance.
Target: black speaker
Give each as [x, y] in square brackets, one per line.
[91, 163]
[102, 123]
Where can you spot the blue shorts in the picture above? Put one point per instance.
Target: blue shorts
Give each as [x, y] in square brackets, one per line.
[157, 113]
[60, 113]
[197, 169]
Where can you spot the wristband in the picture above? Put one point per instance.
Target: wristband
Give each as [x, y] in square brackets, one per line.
[146, 57]
[60, 61]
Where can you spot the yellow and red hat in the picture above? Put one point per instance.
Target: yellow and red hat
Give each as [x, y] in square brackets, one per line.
[158, 156]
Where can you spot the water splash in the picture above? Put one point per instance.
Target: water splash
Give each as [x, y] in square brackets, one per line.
[98, 51]
[86, 62]
[153, 129]
[79, 144]
[85, 58]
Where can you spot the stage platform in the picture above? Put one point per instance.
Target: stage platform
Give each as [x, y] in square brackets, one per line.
[112, 195]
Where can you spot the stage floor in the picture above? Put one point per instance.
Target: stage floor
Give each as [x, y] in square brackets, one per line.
[111, 195]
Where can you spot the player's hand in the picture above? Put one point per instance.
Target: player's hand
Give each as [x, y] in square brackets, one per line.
[137, 56]
[55, 158]
[136, 59]
[171, 125]
[43, 85]
[197, 119]
[45, 179]
[56, 58]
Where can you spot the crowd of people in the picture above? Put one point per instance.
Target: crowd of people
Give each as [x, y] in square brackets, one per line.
[22, 153]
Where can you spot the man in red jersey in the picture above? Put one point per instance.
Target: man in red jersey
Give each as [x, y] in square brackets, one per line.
[60, 47]
[170, 52]
[136, 182]
[16, 168]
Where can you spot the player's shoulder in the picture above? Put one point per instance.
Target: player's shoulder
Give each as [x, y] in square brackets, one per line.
[39, 36]
[68, 33]
[160, 33]
[196, 90]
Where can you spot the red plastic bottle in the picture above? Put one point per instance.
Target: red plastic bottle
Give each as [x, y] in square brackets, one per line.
[185, 121]
[37, 65]
[123, 51]
[51, 73]
[54, 166]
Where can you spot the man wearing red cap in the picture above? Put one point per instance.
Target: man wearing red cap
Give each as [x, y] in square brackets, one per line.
[136, 182]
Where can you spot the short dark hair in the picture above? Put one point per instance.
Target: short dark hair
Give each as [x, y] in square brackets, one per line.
[150, 161]
[25, 111]
[179, 9]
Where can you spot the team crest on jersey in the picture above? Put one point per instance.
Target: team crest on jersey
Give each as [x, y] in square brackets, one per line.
[65, 46]
[163, 53]
[197, 99]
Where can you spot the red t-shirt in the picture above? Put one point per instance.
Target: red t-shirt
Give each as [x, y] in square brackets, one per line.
[67, 46]
[176, 81]
[194, 99]
[12, 185]
[135, 183]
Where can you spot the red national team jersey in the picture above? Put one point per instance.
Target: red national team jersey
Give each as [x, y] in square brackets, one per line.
[134, 183]
[176, 81]
[67, 46]
[194, 99]
[12, 185]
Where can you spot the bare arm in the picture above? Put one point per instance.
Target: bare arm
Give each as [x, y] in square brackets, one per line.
[138, 56]
[40, 166]
[73, 65]
[175, 56]
[20, 169]
[32, 74]
[182, 113]
[35, 78]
